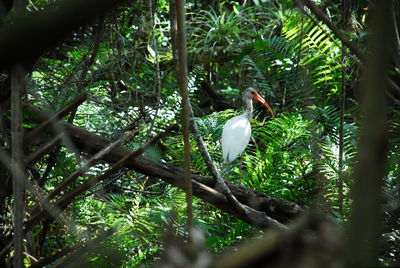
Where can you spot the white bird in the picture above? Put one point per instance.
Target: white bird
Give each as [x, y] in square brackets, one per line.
[237, 130]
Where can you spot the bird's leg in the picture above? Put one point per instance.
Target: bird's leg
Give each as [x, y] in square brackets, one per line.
[241, 169]
[227, 170]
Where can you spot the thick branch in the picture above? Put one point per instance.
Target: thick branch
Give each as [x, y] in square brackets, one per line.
[70, 196]
[280, 210]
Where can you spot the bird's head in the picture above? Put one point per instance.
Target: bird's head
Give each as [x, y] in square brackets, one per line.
[250, 93]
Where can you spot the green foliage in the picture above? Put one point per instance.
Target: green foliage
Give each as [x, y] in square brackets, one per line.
[292, 62]
[136, 217]
[272, 64]
[319, 53]
[280, 158]
[219, 32]
[328, 161]
[226, 232]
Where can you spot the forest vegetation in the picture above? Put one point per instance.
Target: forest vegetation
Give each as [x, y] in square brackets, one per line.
[105, 104]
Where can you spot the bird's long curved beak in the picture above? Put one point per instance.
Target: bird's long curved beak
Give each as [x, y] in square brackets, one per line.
[258, 98]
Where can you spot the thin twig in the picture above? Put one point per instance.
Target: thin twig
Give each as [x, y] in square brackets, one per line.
[92, 161]
[342, 104]
[220, 184]
[157, 59]
[44, 149]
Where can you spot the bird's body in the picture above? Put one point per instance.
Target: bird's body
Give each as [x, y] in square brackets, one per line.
[237, 130]
[235, 137]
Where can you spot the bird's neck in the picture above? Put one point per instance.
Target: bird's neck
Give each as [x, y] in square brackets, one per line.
[249, 108]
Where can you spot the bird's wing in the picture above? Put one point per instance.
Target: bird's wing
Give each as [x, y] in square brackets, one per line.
[235, 137]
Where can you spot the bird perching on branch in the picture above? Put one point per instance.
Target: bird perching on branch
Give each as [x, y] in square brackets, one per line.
[237, 130]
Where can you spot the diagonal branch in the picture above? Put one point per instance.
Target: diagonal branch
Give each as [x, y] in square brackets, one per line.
[70, 196]
[281, 210]
[47, 147]
[322, 17]
[353, 48]
[91, 162]
[219, 182]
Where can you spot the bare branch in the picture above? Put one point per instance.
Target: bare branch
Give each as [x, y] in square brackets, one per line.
[44, 149]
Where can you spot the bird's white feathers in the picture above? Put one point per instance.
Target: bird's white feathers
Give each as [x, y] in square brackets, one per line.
[235, 137]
